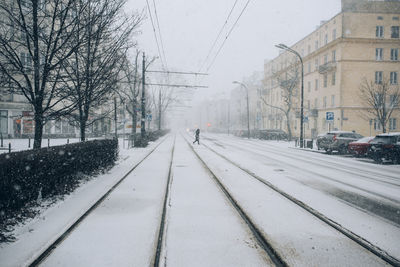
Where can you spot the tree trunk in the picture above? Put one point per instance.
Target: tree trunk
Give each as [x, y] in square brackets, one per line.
[288, 127]
[38, 130]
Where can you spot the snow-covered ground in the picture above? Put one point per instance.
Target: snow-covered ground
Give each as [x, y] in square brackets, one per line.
[202, 228]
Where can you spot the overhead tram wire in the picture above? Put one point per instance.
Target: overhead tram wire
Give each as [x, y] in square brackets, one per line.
[159, 33]
[219, 34]
[155, 34]
[227, 36]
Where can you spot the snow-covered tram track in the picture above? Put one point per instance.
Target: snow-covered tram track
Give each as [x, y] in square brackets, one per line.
[44, 253]
[261, 240]
[304, 168]
[352, 237]
[381, 176]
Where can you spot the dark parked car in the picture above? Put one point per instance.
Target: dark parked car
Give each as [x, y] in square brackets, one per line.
[337, 141]
[385, 147]
[360, 147]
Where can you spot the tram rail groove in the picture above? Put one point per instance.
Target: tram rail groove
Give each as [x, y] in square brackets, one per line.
[327, 177]
[342, 166]
[259, 236]
[47, 251]
[354, 237]
[164, 212]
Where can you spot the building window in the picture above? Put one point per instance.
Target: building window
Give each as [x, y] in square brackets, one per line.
[377, 124]
[309, 86]
[4, 122]
[379, 54]
[395, 32]
[334, 78]
[26, 61]
[395, 18]
[334, 56]
[316, 103]
[394, 54]
[316, 84]
[316, 64]
[325, 59]
[325, 80]
[379, 31]
[326, 38]
[308, 104]
[380, 18]
[393, 77]
[309, 49]
[324, 102]
[316, 45]
[332, 100]
[309, 67]
[334, 34]
[378, 77]
[392, 124]
[393, 100]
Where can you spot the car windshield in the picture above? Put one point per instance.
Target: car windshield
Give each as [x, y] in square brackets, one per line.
[364, 139]
[384, 139]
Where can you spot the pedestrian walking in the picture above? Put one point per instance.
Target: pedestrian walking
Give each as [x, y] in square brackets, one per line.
[197, 136]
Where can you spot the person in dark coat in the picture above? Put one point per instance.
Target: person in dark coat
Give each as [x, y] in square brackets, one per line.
[197, 136]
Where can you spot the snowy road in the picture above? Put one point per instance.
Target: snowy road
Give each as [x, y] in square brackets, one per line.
[228, 202]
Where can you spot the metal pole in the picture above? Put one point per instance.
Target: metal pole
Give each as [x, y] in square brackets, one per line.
[285, 47]
[301, 101]
[143, 119]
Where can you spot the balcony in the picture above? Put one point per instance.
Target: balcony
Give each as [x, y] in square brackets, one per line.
[327, 67]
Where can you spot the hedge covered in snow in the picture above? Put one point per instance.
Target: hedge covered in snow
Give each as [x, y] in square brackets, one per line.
[28, 175]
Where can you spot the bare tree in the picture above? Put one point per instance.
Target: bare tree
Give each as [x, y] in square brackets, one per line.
[35, 39]
[161, 100]
[129, 90]
[288, 82]
[380, 98]
[94, 69]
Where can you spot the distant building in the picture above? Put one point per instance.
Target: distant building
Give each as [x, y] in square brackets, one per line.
[361, 42]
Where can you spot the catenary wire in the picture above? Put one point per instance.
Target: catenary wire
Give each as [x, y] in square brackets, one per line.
[155, 34]
[227, 36]
[218, 36]
[159, 33]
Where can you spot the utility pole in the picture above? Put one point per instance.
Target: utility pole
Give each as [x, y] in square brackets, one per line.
[143, 120]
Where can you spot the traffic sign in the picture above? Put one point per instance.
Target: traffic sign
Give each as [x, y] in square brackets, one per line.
[330, 116]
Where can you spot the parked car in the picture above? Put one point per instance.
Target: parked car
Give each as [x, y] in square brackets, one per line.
[273, 134]
[385, 147]
[360, 147]
[337, 141]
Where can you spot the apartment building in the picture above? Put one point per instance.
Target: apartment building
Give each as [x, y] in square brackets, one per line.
[360, 43]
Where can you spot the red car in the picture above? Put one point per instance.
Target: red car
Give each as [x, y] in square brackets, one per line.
[360, 147]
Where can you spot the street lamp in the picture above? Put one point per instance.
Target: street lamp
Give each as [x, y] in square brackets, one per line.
[285, 47]
[248, 115]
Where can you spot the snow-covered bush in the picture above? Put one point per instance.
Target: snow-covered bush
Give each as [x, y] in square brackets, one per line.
[46, 172]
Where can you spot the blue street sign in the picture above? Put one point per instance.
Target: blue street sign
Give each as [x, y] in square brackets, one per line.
[330, 116]
[305, 119]
[149, 117]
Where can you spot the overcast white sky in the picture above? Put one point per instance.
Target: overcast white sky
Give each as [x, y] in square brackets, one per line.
[189, 28]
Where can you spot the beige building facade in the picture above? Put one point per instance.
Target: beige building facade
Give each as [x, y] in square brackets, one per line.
[361, 42]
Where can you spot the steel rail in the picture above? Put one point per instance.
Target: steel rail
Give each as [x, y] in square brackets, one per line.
[327, 177]
[47, 252]
[268, 248]
[356, 238]
[164, 212]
